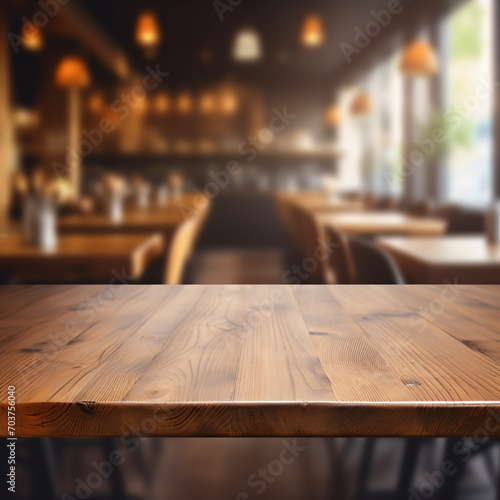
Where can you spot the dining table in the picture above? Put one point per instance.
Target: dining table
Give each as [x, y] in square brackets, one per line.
[79, 257]
[251, 360]
[373, 223]
[322, 202]
[134, 220]
[463, 258]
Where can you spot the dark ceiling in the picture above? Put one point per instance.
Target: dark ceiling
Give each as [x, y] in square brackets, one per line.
[190, 26]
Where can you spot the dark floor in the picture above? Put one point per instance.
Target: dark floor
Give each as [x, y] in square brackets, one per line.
[243, 469]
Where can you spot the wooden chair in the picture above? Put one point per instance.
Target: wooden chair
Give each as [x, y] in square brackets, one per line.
[340, 261]
[372, 265]
[181, 247]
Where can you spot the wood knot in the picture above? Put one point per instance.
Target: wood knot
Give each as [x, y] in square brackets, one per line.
[410, 383]
[87, 406]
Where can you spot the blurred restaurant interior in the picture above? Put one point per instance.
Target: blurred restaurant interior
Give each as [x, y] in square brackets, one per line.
[243, 142]
[252, 142]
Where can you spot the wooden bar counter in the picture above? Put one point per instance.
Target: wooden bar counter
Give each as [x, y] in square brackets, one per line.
[249, 360]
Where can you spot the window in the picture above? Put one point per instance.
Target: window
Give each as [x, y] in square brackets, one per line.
[470, 92]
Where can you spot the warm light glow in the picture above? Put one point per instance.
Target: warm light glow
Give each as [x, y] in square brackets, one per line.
[361, 104]
[312, 31]
[246, 47]
[147, 32]
[96, 102]
[31, 37]
[72, 72]
[419, 59]
[25, 118]
[207, 103]
[228, 103]
[332, 116]
[184, 103]
[162, 103]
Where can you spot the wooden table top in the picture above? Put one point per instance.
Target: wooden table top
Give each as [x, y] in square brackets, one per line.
[320, 202]
[251, 360]
[80, 256]
[144, 221]
[378, 223]
[470, 259]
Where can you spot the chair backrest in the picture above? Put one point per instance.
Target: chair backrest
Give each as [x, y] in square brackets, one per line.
[372, 265]
[340, 260]
[181, 246]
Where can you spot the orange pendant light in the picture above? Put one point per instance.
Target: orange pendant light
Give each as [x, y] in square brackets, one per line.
[72, 72]
[332, 116]
[147, 32]
[419, 59]
[361, 104]
[31, 38]
[312, 31]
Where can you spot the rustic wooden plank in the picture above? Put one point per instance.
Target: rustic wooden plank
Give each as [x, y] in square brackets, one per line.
[248, 360]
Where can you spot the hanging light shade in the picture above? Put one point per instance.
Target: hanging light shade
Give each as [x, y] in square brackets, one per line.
[147, 32]
[31, 37]
[419, 59]
[312, 31]
[361, 104]
[246, 46]
[332, 116]
[72, 72]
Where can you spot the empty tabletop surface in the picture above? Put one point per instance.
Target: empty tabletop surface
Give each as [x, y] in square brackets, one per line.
[80, 255]
[250, 360]
[370, 222]
[471, 259]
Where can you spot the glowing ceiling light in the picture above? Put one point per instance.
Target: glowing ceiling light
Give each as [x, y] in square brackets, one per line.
[332, 116]
[419, 59]
[72, 72]
[31, 37]
[361, 104]
[147, 32]
[312, 31]
[247, 46]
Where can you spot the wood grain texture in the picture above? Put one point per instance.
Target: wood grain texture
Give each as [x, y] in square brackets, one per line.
[80, 256]
[251, 360]
[468, 259]
[380, 223]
